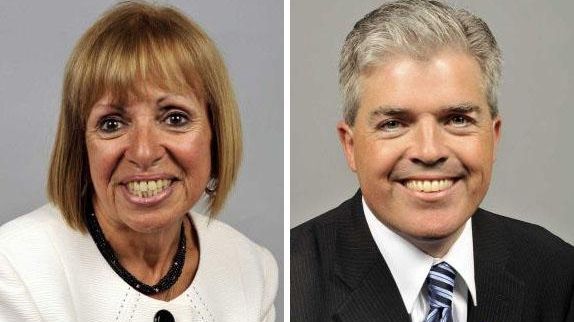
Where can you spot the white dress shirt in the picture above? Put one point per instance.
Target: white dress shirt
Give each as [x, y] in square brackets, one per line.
[410, 267]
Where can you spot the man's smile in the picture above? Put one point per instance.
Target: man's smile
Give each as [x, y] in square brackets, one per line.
[429, 185]
[431, 190]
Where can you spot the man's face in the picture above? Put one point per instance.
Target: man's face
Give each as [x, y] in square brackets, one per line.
[423, 144]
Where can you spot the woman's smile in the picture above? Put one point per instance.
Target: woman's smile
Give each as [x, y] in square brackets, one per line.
[147, 193]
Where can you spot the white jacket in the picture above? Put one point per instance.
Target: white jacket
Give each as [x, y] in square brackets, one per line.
[49, 272]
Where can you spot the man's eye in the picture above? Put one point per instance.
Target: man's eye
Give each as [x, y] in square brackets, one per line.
[176, 119]
[390, 125]
[110, 125]
[460, 121]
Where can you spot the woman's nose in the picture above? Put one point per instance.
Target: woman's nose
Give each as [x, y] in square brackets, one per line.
[145, 148]
[428, 148]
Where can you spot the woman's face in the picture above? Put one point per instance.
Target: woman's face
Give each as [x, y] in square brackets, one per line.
[150, 160]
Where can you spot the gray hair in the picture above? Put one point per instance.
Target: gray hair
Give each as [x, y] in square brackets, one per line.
[417, 28]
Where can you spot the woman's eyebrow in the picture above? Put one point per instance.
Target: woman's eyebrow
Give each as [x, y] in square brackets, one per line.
[101, 109]
[165, 97]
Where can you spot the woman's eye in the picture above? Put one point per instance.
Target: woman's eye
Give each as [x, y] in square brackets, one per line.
[390, 125]
[110, 125]
[176, 119]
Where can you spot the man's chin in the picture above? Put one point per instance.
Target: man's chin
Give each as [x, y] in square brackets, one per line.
[434, 242]
[431, 236]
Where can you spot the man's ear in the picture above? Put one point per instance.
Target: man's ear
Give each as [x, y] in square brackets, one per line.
[496, 132]
[346, 138]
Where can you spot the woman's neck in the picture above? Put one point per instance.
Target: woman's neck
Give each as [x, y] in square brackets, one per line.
[147, 256]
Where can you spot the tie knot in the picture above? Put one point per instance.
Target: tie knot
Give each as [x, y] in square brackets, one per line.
[440, 283]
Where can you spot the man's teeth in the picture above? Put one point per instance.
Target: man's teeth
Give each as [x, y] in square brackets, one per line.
[148, 188]
[429, 185]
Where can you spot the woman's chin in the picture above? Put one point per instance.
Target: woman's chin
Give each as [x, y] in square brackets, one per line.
[150, 222]
[151, 217]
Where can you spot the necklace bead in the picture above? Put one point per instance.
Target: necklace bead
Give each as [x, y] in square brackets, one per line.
[108, 253]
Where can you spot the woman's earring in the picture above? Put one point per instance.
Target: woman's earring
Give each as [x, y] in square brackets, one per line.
[211, 187]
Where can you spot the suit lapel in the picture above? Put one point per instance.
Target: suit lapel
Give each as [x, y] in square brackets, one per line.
[372, 292]
[500, 294]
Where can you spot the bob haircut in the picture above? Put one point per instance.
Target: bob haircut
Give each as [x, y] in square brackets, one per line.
[131, 44]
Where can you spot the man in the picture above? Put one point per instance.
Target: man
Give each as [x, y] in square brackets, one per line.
[420, 130]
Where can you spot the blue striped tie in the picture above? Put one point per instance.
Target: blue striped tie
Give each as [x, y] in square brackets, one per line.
[440, 282]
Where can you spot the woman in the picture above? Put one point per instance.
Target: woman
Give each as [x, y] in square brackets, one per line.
[148, 126]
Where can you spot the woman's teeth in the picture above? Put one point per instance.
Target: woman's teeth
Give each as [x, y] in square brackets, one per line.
[147, 189]
[429, 185]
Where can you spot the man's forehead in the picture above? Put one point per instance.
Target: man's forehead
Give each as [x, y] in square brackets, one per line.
[450, 80]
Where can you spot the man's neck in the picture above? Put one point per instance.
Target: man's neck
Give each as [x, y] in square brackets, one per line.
[436, 248]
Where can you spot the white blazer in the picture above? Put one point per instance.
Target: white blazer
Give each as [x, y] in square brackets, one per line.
[49, 272]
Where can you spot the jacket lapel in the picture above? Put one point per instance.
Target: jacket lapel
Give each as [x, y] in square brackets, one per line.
[500, 294]
[372, 292]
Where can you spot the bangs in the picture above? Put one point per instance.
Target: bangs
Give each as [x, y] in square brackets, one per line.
[130, 53]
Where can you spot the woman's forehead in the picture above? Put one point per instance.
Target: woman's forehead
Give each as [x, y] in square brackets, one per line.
[146, 91]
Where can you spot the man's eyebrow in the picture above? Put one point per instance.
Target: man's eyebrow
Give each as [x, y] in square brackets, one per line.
[463, 108]
[387, 110]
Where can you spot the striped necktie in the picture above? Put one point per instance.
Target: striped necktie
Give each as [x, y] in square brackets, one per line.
[440, 282]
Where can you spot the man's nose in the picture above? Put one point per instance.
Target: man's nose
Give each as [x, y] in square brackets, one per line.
[428, 148]
[145, 148]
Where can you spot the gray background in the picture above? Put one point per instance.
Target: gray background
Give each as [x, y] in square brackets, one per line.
[533, 177]
[35, 42]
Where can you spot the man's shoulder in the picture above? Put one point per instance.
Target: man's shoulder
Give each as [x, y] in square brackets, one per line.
[536, 264]
[527, 241]
[314, 228]
[520, 230]
[313, 248]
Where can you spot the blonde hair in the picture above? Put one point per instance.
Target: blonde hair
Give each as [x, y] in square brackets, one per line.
[134, 43]
[418, 28]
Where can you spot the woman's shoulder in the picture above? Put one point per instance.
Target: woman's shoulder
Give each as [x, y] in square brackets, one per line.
[32, 276]
[231, 263]
[41, 230]
[220, 243]
[32, 225]
[215, 233]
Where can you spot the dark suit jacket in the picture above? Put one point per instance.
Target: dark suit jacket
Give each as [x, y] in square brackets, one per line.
[522, 272]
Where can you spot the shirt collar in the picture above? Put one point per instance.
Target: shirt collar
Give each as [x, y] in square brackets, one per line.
[461, 257]
[410, 266]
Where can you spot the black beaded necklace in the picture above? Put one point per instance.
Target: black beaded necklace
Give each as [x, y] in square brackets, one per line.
[164, 283]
